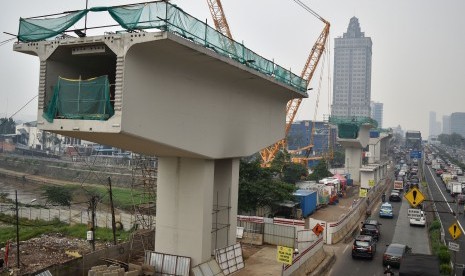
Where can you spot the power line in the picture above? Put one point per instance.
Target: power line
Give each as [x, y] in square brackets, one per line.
[4, 42]
[19, 110]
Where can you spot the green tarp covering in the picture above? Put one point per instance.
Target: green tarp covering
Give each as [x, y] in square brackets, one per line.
[80, 99]
[167, 17]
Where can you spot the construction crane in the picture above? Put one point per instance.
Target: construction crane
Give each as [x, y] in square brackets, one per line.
[219, 19]
[221, 25]
[269, 153]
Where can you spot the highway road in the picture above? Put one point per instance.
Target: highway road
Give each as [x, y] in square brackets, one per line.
[396, 230]
[445, 207]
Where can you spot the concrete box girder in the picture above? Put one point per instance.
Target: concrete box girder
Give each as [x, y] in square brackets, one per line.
[172, 97]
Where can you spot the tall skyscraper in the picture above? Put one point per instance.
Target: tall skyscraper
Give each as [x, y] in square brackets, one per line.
[352, 73]
[457, 123]
[377, 113]
[446, 124]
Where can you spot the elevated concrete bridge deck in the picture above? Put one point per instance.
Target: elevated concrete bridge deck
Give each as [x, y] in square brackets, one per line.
[172, 97]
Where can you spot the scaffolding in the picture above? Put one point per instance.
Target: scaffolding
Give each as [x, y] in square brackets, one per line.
[221, 217]
[143, 193]
[143, 190]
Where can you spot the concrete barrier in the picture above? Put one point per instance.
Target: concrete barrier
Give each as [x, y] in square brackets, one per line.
[307, 260]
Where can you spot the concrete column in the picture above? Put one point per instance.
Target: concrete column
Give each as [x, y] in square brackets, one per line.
[225, 194]
[353, 162]
[184, 207]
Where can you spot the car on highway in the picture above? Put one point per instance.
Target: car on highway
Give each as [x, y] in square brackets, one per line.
[420, 221]
[394, 253]
[395, 196]
[439, 172]
[371, 227]
[364, 247]
[385, 211]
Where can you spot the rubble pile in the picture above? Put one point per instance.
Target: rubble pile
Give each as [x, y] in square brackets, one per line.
[46, 250]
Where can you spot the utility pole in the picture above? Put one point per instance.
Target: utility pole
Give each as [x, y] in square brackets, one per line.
[93, 206]
[113, 222]
[17, 230]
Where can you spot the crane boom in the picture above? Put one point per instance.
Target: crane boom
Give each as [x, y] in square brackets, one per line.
[219, 19]
[313, 59]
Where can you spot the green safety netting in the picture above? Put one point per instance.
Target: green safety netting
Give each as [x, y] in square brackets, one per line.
[80, 99]
[167, 17]
[348, 127]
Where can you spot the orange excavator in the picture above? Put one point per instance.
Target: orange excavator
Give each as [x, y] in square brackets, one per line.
[221, 24]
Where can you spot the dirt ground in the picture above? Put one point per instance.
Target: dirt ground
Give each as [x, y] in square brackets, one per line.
[40, 252]
[48, 249]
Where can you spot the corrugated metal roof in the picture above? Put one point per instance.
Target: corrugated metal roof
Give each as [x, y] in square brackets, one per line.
[303, 192]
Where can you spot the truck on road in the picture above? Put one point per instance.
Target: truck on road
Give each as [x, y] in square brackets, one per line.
[456, 188]
[398, 185]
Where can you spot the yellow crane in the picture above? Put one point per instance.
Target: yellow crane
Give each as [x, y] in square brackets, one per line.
[221, 25]
[219, 19]
[269, 153]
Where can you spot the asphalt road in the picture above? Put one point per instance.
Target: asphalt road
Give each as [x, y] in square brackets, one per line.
[445, 207]
[396, 230]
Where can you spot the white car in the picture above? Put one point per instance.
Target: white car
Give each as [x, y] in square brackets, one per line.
[421, 221]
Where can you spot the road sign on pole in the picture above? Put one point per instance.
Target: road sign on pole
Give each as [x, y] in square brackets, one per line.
[454, 231]
[317, 229]
[414, 197]
[454, 246]
[414, 213]
[284, 255]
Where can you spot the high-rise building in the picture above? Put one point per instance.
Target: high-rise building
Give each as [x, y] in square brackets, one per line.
[457, 123]
[352, 73]
[377, 113]
[446, 124]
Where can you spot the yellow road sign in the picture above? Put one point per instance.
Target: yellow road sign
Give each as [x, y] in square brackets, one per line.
[362, 192]
[414, 197]
[284, 254]
[454, 231]
[371, 182]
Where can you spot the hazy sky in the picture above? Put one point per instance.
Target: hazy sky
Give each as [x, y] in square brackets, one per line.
[418, 49]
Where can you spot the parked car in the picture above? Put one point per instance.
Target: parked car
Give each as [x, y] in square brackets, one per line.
[385, 211]
[371, 227]
[364, 246]
[395, 196]
[394, 253]
[420, 221]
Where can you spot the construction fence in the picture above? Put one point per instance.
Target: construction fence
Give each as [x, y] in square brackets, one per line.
[71, 216]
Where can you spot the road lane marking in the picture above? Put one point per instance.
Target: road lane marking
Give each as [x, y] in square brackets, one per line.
[344, 251]
[447, 202]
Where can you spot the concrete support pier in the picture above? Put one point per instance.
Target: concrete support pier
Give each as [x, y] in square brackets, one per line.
[184, 207]
[378, 148]
[353, 162]
[353, 151]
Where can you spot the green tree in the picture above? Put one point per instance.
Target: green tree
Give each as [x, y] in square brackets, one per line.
[293, 172]
[7, 126]
[321, 171]
[280, 160]
[58, 195]
[258, 187]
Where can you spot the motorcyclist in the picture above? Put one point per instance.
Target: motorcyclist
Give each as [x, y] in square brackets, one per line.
[388, 271]
[383, 197]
